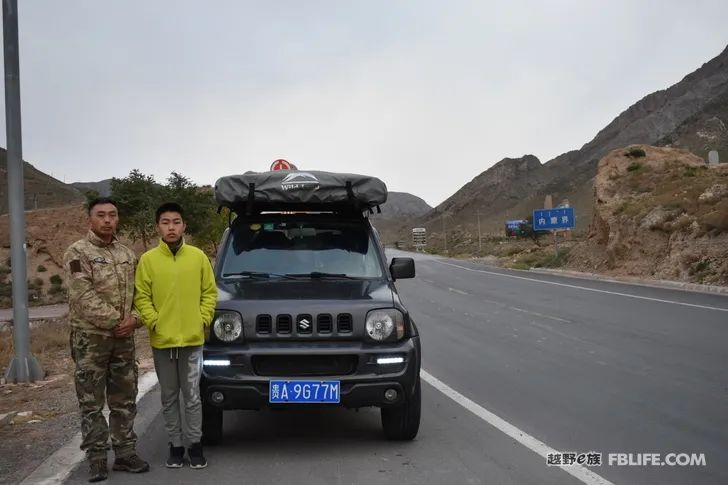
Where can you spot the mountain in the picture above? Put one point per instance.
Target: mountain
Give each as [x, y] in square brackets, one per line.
[691, 114]
[41, 190]
[103, 187]
[399, 209]
[402, 205]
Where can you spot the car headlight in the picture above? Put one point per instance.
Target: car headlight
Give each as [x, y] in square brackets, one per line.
[228, 326]
[382, 325]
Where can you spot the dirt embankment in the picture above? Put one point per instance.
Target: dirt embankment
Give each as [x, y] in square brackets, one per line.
[49, 232]
[658, 213]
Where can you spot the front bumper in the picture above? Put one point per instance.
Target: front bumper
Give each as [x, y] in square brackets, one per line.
[362, 384]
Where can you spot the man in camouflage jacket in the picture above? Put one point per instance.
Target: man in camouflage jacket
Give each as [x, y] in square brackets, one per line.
[100, 275]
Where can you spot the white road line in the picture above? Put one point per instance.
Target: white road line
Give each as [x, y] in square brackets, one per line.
[57, 467]
[584, 288]
[539, 314]
[460, 292]
[540, 448]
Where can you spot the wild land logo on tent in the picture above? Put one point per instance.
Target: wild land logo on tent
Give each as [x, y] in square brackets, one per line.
[300, 180]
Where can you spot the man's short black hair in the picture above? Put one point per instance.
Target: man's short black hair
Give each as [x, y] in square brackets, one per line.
[169, 207]
[98, 201]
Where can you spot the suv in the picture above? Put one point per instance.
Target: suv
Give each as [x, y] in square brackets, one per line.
[308, 313]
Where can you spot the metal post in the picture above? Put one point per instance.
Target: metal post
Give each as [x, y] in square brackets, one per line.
[480, 240]
[23, 367]
[556, 244]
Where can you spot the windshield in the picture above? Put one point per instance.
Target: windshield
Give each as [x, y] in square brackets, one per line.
[317, 249]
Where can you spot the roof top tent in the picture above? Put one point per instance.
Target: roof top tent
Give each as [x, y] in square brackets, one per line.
[307, 191]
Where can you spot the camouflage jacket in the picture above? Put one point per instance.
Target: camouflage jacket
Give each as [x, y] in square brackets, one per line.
[100, 283]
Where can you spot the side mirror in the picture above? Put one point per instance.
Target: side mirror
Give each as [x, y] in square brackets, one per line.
[401, 268]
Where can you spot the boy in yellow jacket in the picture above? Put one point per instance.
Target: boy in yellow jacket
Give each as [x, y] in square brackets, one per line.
[176, 296]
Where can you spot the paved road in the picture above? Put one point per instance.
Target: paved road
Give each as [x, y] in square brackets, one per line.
[37, 313]
[579, 366]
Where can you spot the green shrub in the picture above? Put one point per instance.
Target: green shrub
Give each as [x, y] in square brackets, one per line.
[636, 153]
[41, 269]
[690, 171]
[56, 280]
[55, 290]
[702, 265]
[38, 282]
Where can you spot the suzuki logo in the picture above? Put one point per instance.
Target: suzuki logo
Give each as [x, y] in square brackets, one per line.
[304, 324]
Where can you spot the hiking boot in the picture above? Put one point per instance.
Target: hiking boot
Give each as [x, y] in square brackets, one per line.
[176, 456]
[98, 470]
[197, 459]
[131, 464]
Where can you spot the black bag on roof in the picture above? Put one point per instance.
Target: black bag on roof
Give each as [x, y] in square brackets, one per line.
[299, 189]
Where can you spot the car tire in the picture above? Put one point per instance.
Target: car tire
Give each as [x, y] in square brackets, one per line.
[211, 425]
[401, 423]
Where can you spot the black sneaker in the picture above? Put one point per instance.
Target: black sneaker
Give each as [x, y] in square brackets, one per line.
[131, 464]
[197, 459]
[176, 456]
[98, 470]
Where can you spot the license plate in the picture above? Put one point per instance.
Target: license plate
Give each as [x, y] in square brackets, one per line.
[304, 392]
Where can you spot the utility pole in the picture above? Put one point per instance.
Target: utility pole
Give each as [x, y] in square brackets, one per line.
[23, 367]
[444, 234]
[480, 240]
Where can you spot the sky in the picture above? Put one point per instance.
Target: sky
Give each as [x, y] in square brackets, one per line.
[423, 94]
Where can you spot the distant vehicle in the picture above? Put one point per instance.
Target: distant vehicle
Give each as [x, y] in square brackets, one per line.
[308, 312]
[518, 228]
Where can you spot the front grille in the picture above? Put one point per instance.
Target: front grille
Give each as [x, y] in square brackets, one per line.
[263, 324]
[344, 323]
[325, 323]
[284, 324]
[303, 365]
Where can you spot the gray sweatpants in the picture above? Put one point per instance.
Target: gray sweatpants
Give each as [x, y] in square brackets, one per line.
[178, 370]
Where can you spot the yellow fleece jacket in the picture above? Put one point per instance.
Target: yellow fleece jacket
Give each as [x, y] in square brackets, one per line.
[175, 295]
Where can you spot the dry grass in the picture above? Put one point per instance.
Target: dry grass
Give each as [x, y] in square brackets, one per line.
[48, 339]
[50, 344]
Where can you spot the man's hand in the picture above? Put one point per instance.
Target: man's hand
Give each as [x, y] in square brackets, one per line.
[126, 327]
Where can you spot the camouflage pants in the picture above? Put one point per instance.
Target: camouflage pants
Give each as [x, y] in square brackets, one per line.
[106, 370]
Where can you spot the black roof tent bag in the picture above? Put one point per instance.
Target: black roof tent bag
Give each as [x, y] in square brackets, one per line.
[299, 190]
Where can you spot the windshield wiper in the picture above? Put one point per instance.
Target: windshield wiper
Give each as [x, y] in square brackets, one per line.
[255, 274]
[319, 274]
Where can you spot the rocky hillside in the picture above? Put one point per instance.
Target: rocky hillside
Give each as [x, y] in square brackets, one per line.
[691, 114]
[41, 190]
[401, 204]
[399, 210]
[103, 187]
[49, 232]
[661, 213]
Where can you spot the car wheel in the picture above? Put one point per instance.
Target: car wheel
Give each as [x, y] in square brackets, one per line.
[211, 425]
[402, 423]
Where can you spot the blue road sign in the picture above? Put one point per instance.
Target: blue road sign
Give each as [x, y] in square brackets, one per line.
[547, 219]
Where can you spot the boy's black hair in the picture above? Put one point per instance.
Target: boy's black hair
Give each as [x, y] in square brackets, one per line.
[169, 207]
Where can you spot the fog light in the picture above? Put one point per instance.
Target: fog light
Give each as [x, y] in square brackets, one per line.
[216, 362]
[390, 360]
[390, 394]
[217, 397]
